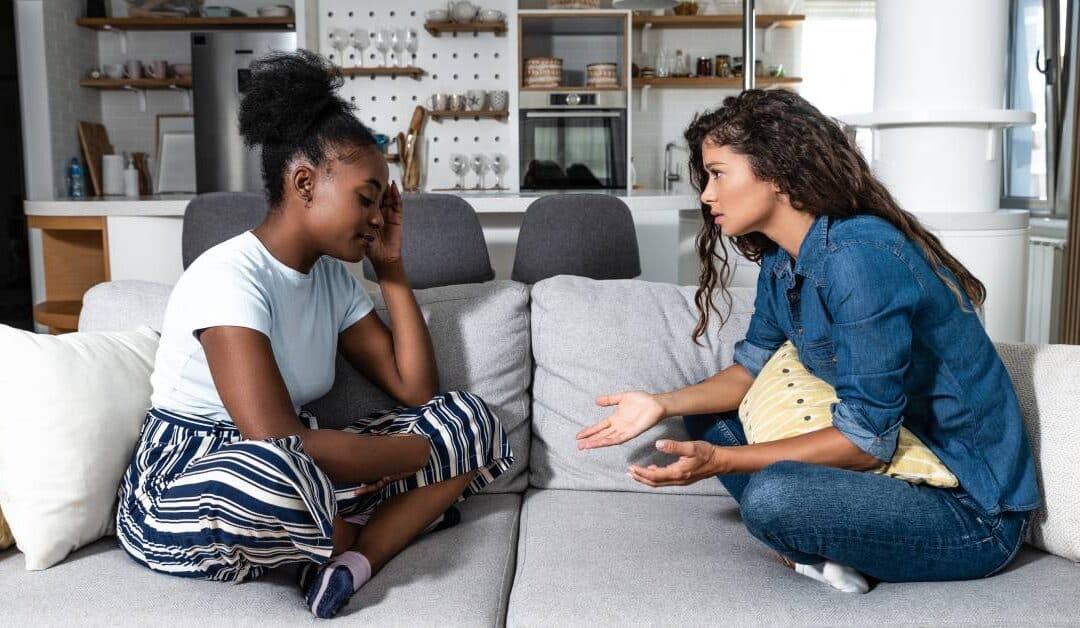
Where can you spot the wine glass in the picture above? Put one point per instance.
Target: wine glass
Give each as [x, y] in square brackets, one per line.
[339, 40]
[458, 166]
[397, 40]
[499, 167]
[479, 167]
[382, 44]
[359, 39]
[412, 42]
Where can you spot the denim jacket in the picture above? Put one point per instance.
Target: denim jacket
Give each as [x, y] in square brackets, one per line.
[867, 314]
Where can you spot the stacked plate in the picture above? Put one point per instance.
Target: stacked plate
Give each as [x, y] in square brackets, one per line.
[601, 75]
[543, 72]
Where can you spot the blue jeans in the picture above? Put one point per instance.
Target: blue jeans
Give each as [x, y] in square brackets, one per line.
[886, 528]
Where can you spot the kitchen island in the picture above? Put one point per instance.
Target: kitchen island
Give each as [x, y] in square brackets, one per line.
[86, 241]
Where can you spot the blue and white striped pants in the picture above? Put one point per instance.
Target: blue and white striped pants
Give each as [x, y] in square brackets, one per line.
[199, 501]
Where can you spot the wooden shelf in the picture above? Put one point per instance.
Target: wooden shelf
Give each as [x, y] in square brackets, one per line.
[58, 315]
[477, 115]
[186, 23]
[715, 21]
[734, 82]
[173, 83]
[438, 28]
[414, 72]
[573, 88]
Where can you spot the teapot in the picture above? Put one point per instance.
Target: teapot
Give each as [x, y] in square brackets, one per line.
[463, 10]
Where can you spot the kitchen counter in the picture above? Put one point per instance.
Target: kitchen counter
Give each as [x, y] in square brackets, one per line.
[482, 202]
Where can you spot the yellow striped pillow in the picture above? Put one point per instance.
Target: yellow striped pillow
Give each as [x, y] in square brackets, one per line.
[787, 400]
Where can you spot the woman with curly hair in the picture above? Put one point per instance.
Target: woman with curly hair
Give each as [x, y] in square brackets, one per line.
[230, 477]
[876, 307]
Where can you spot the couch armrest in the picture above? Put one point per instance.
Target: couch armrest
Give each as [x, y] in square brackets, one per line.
[123, 305]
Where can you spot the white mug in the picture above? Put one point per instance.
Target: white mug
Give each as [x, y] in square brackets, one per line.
[113, 70]
[133, 69]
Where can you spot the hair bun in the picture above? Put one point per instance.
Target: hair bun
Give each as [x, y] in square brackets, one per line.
[287, 93]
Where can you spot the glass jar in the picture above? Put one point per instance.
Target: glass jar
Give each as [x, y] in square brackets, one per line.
[704, 66]
[722, 65]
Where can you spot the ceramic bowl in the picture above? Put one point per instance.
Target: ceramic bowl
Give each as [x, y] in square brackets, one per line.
[437, 15]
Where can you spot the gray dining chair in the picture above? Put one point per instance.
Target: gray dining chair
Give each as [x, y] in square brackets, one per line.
[442, 242]
[591, 235]
[212, 218]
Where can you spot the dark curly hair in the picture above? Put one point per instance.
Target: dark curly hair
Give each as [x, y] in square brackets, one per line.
[291, 107]
[807, 155]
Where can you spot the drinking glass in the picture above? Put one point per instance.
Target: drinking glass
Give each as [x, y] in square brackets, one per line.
[339, 40]
[412, 43]
[499, 167]
[382, 44]
[359, 39]
[479, 167]
[459, 165]
[398, 42]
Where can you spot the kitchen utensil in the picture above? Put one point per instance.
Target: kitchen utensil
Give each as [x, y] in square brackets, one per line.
[457, 102]
[491, 15]
[142, 166]
[95, 143]
[437, 15]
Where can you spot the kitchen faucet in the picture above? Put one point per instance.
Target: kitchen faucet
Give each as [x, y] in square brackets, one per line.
[670, 177]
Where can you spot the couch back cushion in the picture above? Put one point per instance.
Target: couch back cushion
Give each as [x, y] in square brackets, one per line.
[592, 338]
[480, 333]
[1047, 382]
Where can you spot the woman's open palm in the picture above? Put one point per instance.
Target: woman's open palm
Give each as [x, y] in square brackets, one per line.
[636, 412]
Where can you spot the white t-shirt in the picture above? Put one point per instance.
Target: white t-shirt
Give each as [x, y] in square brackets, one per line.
[239, 283]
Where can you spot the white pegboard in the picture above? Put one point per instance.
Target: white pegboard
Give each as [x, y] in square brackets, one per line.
[452, 64]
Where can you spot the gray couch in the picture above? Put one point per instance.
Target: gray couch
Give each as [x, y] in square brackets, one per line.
[564, 538]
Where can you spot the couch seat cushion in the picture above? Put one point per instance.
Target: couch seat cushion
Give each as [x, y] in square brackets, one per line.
[608, 559]
[457, 577]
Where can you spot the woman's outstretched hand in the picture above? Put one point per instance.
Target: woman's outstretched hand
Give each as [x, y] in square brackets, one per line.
[637, 411]
[697, 460]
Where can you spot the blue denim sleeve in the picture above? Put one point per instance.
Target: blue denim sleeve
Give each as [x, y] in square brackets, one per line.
[872, 295]
[763, 336]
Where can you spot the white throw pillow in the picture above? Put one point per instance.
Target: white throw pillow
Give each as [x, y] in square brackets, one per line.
[72, 409]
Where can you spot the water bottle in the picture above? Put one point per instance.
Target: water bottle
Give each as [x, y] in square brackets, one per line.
[75, 179]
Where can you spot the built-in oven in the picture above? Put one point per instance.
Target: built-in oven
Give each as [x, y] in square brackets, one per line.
[573, 140]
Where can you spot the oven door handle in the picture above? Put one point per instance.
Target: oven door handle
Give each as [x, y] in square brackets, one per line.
[571, 114]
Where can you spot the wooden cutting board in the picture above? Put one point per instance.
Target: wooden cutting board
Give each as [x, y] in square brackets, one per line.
[411, 175]
[95, 143]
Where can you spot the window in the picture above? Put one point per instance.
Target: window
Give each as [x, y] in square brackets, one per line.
[1036, 57]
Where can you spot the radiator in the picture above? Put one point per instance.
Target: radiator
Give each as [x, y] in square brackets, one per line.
[1046, 264]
